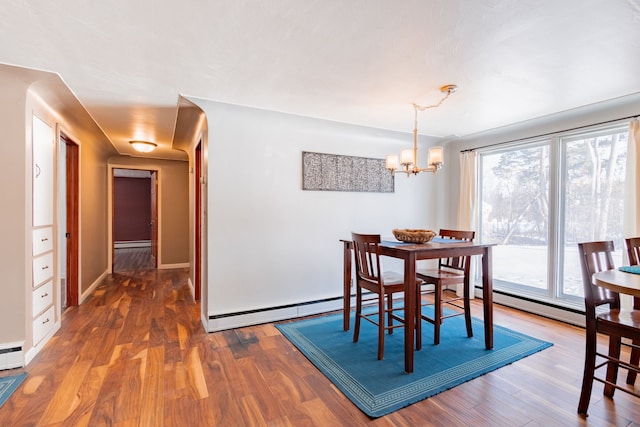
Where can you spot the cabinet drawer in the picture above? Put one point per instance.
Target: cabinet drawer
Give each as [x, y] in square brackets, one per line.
[42, 297]
[42, 240]
[42, 268]
[42, 325]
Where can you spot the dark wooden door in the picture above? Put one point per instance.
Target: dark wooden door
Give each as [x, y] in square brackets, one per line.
[72, 179]
[154, 218]
[198, 223]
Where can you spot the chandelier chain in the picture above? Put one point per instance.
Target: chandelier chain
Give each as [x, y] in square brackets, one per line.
[449, 91]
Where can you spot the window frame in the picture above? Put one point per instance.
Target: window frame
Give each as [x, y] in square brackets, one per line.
[557, 143]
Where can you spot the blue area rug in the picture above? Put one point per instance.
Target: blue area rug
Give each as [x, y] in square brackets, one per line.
[379, 387]
[8, 385]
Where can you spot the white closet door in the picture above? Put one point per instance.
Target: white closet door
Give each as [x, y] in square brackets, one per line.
[43, 155]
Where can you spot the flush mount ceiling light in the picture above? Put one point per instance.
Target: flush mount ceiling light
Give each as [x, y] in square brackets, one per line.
[409, 158]
[143, 146]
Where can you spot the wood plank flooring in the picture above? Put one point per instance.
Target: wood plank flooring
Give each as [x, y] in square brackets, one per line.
[131, 259]
[135, 354]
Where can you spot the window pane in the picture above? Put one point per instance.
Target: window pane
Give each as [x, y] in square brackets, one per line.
[515, 214]
[593, 198]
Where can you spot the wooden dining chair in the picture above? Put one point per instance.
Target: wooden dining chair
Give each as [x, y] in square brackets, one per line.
[382, 284]
[450, 272]
[632, 245]
[614, 322]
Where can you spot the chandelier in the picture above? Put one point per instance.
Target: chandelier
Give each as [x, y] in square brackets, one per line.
[409, 158]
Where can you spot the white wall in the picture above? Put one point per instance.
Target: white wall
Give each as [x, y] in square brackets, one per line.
[15, 227]
[269, 242]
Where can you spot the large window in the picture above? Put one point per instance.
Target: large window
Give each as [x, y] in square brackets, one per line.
[542, 197]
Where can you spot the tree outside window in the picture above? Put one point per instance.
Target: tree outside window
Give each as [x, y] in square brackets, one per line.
[585, 174]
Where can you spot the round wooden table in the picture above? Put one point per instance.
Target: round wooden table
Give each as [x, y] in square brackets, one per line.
[618, 281]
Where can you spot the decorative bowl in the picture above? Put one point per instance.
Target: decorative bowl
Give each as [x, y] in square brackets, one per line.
[409, 235]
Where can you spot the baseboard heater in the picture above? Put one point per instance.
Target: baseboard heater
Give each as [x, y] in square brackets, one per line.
[221, 322]
[132, 244]
[11, 355]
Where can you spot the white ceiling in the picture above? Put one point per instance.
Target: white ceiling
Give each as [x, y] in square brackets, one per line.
[357, 61]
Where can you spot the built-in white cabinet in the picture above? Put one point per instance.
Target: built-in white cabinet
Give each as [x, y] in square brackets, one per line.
[43, 267]
[43, 172]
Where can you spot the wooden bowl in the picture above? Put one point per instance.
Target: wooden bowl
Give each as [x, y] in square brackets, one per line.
[409, 235]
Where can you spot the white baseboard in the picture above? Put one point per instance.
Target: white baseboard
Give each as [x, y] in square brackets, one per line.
[541, 309]
[86, 294]
[238, 320]
[171, 266]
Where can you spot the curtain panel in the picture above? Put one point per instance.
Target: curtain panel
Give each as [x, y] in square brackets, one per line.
[468, 205]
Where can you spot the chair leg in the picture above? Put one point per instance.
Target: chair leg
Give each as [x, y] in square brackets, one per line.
[381, 326]
[356, 326]
[418, 318]
[437, 313]
[612, 367]
[467, 309]
[587, 376]
[635, 361]
[390, 312]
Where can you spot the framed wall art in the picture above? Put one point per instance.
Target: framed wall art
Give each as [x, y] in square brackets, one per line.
[334, 172]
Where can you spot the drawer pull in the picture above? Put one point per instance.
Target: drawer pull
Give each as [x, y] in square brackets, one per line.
[44, 239]
[44, 295]
[45, 321]
[45, 267]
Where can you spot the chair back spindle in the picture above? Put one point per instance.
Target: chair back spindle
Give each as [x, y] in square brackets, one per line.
[367, 254]
[633, 252]
[455, 263]
[596, 257]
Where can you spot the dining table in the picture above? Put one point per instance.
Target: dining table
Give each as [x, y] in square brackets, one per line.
[621, 282]
[412, 252]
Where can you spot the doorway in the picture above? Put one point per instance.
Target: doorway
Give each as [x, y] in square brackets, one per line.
[134, 220]
[69, 178]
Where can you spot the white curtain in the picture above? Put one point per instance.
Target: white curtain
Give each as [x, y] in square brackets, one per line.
[468, 203]
[467, 199]
[631, 213]
[631, 217]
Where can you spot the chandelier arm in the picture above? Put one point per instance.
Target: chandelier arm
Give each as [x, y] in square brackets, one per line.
[411, 166]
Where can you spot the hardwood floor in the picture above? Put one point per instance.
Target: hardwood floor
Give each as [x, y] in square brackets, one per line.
[135, 354]
[130, 259]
